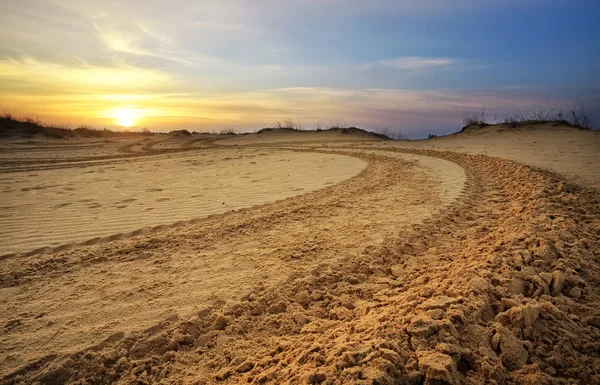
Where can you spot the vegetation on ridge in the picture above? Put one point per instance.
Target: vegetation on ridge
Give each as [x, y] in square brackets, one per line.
[575, 116]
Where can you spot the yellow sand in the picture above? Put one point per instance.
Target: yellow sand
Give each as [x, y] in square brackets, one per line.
[396, 263]
[72, 204]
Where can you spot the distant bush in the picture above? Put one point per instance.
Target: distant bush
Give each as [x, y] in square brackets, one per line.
[389, 134]
[574, 115]
[578, 117]
[288, 124]
[471, 118]
[28, 126]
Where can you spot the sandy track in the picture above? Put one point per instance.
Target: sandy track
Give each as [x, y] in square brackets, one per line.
[81, 296]
[498, 286]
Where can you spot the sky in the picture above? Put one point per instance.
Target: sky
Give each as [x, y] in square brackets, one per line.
[413, 66]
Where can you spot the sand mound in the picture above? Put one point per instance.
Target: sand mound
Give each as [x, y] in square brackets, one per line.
[284, 135]
[569, 151]
[15, 129]
[180, 133]
[475, 129]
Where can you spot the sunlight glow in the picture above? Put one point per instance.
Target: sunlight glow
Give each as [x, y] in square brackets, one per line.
[125, 117]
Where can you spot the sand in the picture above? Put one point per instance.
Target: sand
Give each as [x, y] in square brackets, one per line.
[60, 206]
[423, 262]
[570, 152]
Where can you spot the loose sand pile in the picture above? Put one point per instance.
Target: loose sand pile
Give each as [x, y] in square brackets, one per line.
[427, 267]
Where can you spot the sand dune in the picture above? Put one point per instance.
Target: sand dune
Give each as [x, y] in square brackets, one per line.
[295, 136]
[422, 262]
[569, 151]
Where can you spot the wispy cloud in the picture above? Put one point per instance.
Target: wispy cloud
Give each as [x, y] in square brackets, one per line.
[140, 40]
[57, 77]
[411, 63]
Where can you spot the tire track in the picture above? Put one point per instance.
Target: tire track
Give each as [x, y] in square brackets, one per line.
[200, 263]
[499, 287]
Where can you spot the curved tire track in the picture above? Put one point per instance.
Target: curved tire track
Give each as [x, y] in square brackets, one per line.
[502, 286]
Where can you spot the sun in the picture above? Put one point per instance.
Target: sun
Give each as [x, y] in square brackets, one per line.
[125, 117]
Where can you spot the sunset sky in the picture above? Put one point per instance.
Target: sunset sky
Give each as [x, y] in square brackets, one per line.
[412, 65]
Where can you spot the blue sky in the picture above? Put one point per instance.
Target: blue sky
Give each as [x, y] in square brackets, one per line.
[410, 65]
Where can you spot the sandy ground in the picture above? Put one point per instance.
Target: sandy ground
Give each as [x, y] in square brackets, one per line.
[571, 152]
[556, 148]
[52, 207]
[433, 262]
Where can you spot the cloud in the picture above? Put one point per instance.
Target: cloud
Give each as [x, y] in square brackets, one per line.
[411, 63]
[188, 32]
[138, 39]
[58, 77]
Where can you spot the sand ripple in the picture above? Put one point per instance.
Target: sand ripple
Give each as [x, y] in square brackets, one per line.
[74, 204]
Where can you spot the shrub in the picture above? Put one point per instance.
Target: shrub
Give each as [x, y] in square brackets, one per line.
[288, 124]
[575, 115]
[228, 131]
[471, 118]
[389, 134]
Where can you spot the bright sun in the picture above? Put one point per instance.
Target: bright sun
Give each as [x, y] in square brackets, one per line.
[125, 117]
